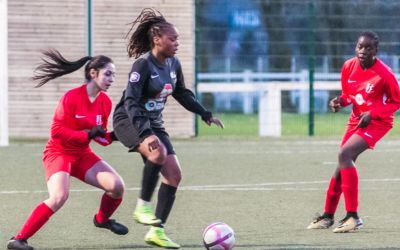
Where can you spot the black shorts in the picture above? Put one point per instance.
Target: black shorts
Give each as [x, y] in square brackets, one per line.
[129, 136]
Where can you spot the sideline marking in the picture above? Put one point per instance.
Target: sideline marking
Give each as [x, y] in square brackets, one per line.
[269, 186]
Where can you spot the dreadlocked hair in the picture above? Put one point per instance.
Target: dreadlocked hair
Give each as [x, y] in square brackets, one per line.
[55, 65]
[149, 23]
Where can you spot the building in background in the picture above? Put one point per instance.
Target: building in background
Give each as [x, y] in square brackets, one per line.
[37, 25]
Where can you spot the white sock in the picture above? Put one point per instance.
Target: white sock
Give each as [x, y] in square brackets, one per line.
[141, 202]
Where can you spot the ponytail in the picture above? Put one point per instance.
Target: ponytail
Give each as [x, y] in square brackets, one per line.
[55, 65]
[150, 23]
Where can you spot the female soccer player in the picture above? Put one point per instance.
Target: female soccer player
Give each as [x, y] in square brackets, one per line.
[138, 123]
[372, 88]
[81, 116]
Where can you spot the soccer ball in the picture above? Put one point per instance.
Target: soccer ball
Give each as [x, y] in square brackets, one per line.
[218, 236]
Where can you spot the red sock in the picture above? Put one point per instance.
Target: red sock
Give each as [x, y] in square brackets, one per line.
[350, 188]
[333, 195]
[107, 207]
[39, 216]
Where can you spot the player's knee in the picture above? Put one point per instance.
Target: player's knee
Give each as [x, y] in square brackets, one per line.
[118, 189]
[174, 179]
[345, 156]
[178, 178]
[58, 200]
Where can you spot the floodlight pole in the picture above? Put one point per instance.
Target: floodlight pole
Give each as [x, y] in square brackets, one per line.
[89, 27]
[3, 73]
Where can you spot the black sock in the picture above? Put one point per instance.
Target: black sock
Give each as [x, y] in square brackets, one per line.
[326, 215]
[149, 180]
[166, 198]
[352, 214]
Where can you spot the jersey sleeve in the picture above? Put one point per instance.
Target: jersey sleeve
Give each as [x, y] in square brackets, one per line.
[186, 98]
[62, 120]
[392, 102]
[345, 99]
[138, 78]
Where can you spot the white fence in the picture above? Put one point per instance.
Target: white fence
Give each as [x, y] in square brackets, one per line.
[271, 85]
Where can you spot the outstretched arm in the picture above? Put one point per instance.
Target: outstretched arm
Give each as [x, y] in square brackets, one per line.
[187, 99]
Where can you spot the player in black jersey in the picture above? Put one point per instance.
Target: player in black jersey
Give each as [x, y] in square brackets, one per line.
[138, 123]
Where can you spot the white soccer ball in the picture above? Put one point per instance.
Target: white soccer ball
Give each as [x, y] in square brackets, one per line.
[218, 236]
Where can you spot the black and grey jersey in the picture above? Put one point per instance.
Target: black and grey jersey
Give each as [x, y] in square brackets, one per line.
[150, 83]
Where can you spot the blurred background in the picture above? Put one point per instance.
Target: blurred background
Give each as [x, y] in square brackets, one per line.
[281, 41]
[266, 67]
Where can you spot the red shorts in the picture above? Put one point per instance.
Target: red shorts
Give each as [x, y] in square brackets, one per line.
[371, 134]
[75, 165]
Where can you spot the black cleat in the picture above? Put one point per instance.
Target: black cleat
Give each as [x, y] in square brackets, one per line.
[112, 225]
[18, 244]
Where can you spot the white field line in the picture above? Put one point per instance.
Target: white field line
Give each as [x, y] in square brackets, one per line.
[268, 186]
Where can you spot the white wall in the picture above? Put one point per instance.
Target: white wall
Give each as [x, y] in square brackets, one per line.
[3, 74]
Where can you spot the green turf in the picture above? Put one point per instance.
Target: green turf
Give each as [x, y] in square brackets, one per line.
[241, 125]
[267, 190]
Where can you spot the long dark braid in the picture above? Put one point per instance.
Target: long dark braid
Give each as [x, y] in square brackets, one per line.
[150, 23]
[55, 65]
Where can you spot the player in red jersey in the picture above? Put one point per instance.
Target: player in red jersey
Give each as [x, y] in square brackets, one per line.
[371, 87]
[80, 117]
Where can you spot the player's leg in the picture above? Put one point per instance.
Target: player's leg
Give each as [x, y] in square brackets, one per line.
[332, 198]
[153, 158]
[349, 152]
[171, 177]
[154, 154]
[103, 176]
[58, 187]
[333, 192]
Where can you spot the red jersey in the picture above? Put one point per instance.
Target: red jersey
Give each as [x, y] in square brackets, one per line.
[374, 89]
[75, 115]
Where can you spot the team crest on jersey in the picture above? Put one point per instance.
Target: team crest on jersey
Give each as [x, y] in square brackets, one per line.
[134, 77]
[99, 121]
[173, 76]
[369, 88]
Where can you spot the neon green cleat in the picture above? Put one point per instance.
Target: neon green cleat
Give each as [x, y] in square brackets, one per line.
[144, 215]
[156, 236]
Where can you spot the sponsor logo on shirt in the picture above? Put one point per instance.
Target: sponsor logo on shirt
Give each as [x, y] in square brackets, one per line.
[167, 90]
[359, 99]
[154, 76]
[80, 116]
[159, 103]
[134, 77]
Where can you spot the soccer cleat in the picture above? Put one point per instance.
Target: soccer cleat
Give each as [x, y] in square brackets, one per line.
[321, 222]
[112, 225]
[156, 236]
[18, 244]
[144, 215]
[349, 224]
